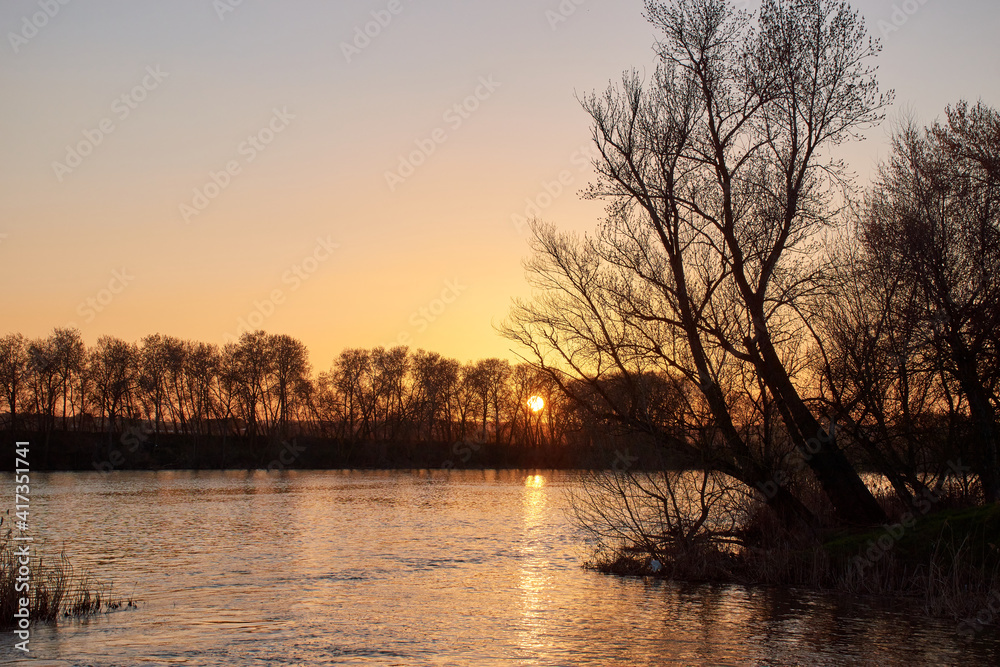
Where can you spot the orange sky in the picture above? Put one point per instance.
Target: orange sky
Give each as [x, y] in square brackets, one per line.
[182, 168]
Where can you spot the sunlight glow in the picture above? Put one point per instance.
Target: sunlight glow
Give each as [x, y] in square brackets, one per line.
[536, 403]
[534, 481]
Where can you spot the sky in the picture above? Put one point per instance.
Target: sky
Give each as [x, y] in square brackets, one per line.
[350, 173]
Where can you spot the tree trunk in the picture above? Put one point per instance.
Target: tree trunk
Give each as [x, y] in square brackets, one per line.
[842, 484]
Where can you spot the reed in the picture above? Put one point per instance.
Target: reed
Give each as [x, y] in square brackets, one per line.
[56, 590]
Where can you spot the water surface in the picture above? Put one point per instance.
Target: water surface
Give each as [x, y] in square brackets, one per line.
[413, 568]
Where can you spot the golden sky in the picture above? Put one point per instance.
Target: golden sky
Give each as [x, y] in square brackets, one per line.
[348, 172]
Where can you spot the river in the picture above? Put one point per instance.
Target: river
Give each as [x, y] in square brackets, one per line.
[412, 568]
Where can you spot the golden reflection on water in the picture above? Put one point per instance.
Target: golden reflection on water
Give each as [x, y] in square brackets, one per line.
[535, 578]
[534, 481]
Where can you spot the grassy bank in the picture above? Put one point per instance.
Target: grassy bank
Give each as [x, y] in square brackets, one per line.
[946, 563]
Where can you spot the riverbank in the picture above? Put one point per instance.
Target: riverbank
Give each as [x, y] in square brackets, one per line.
[945, 564]
[137, 450]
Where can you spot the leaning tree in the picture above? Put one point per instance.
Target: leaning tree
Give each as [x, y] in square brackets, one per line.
[719, 181]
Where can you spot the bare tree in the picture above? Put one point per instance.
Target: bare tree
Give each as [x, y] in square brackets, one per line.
[933, 218]
[717, 187]
[45, 384]
[250, 366]
[152, 380]
[13, 373]
[389, 390]
[70, 355]
[435, 379]
[291, 372]
[876, 374]
[201, 371]
[114, 368]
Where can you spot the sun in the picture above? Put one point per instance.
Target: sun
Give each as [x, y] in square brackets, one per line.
[536, 403]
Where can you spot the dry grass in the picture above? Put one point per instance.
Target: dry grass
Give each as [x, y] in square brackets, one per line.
[946, 563]
[56, 590]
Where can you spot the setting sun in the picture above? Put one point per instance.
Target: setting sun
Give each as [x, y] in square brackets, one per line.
[536, 403]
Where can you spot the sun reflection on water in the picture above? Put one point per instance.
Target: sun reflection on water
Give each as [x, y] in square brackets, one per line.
[534, 481]
[535, 578]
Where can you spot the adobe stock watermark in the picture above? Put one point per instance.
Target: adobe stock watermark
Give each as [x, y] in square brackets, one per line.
[31, 25]
[552, 190]
[813, 446]
[121, 108]
[624, 461]
[223, 7]
[23, 584]
[970, 627]
[294, 277]
[464, 451]
[365, 34]
[97, 303]
[562, 12]
[248, 150]
[289, 454]
[427, 314]
[901, 14]
[454, 117]
[877, 548]
[940, 321]
[131, 439]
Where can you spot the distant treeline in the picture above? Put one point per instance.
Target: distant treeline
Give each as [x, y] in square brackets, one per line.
[168, 403]
[164, 402]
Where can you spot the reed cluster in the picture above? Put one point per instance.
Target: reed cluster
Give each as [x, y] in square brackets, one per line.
[55, 588]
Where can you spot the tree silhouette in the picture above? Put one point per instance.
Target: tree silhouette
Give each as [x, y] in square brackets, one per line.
[933, 220]
[717, 192]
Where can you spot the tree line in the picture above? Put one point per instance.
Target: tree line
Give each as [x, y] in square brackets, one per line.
[261, 390]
